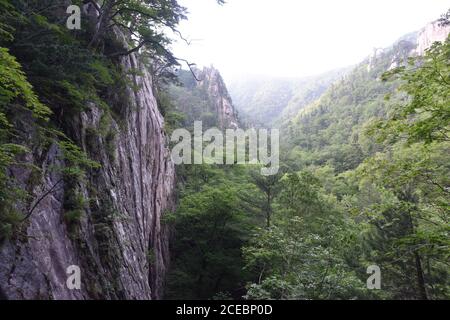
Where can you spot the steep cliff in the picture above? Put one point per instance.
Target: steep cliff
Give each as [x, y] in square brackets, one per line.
[119, 243]
[432, 32]
[203, 98]
[212, 81]
[415, 43]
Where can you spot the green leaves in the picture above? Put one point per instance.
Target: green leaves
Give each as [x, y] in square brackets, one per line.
[294, 263]
[16, 95]
[6, 30]
[210, 229]
[300, 193]
[77, 160]
[425, 115]
[14, 87]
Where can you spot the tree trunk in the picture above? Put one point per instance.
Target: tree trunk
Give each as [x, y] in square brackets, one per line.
[269, 208]
[420, 278]
[407, 196]
[103, 21]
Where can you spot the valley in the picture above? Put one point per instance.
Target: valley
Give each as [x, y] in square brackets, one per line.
[128, 172]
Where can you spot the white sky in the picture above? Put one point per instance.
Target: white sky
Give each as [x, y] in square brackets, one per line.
[296, 38]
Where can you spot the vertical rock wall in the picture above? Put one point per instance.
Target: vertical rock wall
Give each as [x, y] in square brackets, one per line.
[120, 243]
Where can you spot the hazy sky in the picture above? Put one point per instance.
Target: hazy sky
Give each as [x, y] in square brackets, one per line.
[296, 37]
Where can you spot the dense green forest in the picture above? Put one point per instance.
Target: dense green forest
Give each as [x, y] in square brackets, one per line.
[364, 177]
[364, 181]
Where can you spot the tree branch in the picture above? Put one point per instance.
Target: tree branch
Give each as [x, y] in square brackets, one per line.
[40, 200]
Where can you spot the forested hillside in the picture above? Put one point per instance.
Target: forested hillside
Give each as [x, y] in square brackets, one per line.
[388, 175]
[90, 190]
[264, 101]
[364, 182]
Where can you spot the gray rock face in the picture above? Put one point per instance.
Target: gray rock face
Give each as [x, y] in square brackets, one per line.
[217, 90]
[120, 245]
[433, 32]
[413, 44]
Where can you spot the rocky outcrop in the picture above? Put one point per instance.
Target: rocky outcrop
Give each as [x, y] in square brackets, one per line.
[402, 50]
[119, 243]
[413, 44]
[374, 57]
[433, 32]
[212, 81]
